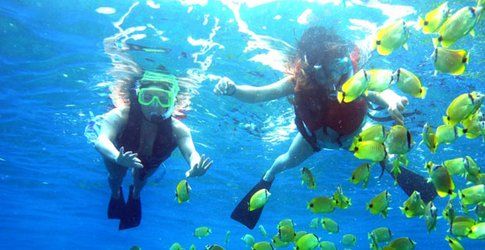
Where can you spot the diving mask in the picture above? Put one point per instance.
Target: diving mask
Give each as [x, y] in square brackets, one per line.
[158, 88]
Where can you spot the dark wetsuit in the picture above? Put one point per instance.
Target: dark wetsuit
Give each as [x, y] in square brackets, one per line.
[314, 110]
[164, 143]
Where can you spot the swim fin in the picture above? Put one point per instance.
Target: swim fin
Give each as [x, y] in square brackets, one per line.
[116, 206]
[410, 181]
[242, 214]
[132, 213]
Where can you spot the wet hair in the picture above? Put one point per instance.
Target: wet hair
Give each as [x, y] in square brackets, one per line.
[318, 46]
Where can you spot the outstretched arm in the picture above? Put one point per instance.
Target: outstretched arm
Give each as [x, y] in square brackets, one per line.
[198, 164]
[390, 100]
[111, 126]
[252, 94]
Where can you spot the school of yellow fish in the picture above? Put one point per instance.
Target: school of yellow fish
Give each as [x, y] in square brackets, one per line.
[463, 117]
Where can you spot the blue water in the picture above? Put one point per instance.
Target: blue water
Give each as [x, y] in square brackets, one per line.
[53, 187]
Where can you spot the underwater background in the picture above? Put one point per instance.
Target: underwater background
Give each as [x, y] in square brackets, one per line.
[53, 81]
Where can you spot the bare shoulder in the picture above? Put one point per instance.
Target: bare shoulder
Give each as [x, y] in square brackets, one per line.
[117, 116]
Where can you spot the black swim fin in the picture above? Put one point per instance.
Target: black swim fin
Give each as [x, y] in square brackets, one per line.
[132, 213]
[116, 206]
[410, 181]
[242, 214]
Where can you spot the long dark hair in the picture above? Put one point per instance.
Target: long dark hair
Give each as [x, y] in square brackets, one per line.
[318, 46]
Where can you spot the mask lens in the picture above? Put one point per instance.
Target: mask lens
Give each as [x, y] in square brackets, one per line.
[149, 96]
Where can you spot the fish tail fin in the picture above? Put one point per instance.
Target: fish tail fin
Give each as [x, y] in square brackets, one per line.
[420, 23]
[436, 42]
[423, 92]
[340, 96]
[459, 131]
[446, 120]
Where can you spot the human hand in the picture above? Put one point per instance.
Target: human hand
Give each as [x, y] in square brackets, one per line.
[128, 159]
[225, 86]
[395, 107]
[200, 167]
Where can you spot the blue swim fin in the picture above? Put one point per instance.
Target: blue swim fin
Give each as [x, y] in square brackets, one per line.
[242, 214]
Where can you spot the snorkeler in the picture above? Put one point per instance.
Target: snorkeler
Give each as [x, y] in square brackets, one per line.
[142, 134]
[322, 63]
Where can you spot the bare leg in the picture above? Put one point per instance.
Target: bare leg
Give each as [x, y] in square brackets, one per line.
[298, 152]
[139, 183]
[115, 177]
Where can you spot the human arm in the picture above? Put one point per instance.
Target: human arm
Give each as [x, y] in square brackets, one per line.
[390, 100]
[198, 164]
[253, 94]
[111, 126]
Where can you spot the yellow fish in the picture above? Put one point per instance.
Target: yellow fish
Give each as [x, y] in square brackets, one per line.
[413, 206]
[379, 204]
[461, 226]
[456, 166]
[298, 235]
[457, 26]
[354, 87]
[471, 166]
[286, 230]
[434, 19]
[431, 216]
[480, 211]
[307, 177]
[321, 204]
[399, 140]
[429, 138]
[403, 243]
[442, 181]
[182, 191]
[450, 61]
[379, 79]
[278, 243]
[307, 242]
[449, 212]
[454, 243]
[447, 134]
[373, 133]
[462, 107]
[472, 195]
[349, 240]
[361, 174]
[330, 225]
[391, 36]
[262, 245]
[327, 245]
[341, 201]
[202, 232]
[370, 150]
[410, 84]
[477, 231]
[380, 234]
[474, 125]
[259, 199]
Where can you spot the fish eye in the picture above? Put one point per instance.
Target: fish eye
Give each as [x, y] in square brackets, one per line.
[311, 204]
[371, 205]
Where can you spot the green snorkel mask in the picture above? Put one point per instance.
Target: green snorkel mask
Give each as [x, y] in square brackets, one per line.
[158, 88]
